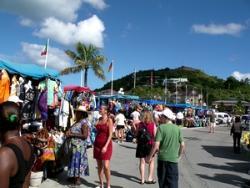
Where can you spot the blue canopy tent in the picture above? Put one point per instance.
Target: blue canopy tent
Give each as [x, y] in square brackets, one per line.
[152, 102]
[28, 70]
[180, 105]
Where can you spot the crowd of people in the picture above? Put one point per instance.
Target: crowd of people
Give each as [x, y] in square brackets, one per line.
[156, 132]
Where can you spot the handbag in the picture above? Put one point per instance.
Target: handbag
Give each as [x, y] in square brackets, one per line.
[65, 152]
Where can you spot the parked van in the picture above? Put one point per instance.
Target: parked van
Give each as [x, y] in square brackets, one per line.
[222, 118]
[245, 122]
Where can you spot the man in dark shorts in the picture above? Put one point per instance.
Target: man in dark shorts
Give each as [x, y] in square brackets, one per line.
[169, 145]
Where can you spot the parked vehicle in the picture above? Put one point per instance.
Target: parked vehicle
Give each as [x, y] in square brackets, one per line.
[245, 121]
[222, 118]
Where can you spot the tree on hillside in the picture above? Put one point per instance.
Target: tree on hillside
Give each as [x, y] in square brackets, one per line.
[239, 108]
[85, 58]
[231, 83]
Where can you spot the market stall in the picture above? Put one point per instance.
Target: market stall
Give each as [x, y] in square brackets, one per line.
[37, 90]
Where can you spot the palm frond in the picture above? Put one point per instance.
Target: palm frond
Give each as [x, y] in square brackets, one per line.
[99, 72]
[71, 54]
[70, 70]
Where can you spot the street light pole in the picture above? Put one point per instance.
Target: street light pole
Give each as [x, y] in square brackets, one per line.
[176, 92]
[186, 94]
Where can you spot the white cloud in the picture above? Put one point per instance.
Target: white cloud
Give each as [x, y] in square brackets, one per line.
[89, 31]
[57, 59]
[98, 4]
[233, 29]
[240, 76]
[26, 22]
[37, 10]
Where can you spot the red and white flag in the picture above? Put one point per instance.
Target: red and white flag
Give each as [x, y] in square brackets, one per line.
[45, 50]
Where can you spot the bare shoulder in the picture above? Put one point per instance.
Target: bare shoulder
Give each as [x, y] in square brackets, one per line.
[7, 158]
[110, 121]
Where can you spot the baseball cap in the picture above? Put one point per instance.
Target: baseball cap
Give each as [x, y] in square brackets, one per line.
[168, 113]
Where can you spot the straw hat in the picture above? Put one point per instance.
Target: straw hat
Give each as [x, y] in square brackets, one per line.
[81, 109]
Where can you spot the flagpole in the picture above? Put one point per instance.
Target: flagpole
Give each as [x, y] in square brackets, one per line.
[46, 57]
[81, 78]
[112, 77]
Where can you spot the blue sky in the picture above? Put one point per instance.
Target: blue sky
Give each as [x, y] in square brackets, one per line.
[210, 35]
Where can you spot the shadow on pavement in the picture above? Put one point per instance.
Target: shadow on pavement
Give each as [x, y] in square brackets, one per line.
[63, 181]
[125, 176]
[225, 152]
[191, 138]
[234, 167]
[227, 179]
[113, 186]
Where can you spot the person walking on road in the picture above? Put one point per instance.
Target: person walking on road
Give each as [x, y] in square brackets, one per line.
[103, 146]
[145, 145]
[170, 145]
[236, 131]
[212, 122]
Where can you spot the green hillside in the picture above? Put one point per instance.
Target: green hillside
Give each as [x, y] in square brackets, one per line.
[149, 84]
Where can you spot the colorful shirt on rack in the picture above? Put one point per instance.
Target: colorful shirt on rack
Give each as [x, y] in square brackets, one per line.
[52, 87]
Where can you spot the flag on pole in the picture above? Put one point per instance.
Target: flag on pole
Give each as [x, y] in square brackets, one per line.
[110, 67]
[45, 53]
[45, 50]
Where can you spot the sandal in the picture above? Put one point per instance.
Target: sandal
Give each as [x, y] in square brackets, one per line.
[100, 186]
[151, 182]
[141, 182]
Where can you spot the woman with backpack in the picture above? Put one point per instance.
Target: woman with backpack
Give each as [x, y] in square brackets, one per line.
[145, 134]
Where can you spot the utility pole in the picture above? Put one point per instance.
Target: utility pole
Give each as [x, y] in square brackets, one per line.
[186, 94]
[165, 82]
[134, 78]
[176, 92]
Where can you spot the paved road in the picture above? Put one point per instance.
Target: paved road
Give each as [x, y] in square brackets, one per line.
[208, 162]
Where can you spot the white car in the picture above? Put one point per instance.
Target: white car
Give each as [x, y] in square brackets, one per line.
[222, 118]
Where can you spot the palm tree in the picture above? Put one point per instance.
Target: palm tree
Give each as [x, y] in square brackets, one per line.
[86, 57]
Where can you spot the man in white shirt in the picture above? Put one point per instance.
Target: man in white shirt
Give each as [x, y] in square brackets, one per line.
[136, 115]
[120, 125]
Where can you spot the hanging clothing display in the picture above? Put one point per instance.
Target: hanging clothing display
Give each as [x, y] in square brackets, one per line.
[64, 113]
[52, 88]
[4, 86]
[42, 105]
[15, 87]
[28, 108]
[21, 88]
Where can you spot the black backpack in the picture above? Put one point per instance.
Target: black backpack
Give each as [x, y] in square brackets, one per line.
[143, 136]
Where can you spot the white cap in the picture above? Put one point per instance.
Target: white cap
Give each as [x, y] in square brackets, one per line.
[14, 99]
[179, 115]
[168, 113]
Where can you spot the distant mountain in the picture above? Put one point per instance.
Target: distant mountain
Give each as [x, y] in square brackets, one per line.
[149, 84]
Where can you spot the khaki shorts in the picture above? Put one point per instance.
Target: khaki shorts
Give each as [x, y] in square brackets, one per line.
[212, 124]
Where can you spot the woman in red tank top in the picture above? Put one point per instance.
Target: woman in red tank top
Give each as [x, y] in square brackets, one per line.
[142, 151]
[103, 146]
